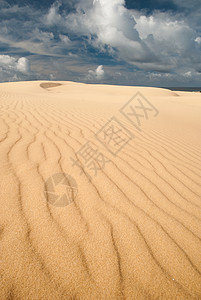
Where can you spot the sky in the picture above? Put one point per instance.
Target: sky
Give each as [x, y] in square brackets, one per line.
[133, 42]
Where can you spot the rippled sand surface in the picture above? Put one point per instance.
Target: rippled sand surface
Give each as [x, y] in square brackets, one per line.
[124, 221]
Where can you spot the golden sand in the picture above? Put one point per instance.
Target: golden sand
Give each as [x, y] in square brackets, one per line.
[133, 227]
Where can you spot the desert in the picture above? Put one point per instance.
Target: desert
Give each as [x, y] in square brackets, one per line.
[100, 192]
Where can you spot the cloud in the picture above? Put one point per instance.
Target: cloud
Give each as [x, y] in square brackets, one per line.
[23, 65]
[13, 64]
[53, 17]
[65, 39]
[13, 69]
[69, 37]
[159, 42]
[110, 24]
[171, 39]
[198, 40]
[98, 74]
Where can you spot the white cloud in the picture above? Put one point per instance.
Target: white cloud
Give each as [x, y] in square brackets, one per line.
[23, 65]
[160, 42]
[98, 74]
[6, 60]
[198, 40]
[65, 39]
[111, 24]
[188, 74]
[12, 68]
[53, 17]
[168, 33]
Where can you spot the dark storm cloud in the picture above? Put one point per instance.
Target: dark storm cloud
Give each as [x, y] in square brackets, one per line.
[149, 6]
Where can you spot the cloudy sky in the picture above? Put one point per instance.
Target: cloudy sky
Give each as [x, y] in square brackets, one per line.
[133, 42]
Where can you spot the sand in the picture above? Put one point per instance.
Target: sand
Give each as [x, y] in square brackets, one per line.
[126, 221]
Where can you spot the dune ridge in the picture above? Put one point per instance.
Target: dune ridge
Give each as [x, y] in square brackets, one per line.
[133, 230]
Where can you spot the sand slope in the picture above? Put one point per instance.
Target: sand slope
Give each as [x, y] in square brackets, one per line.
[133, 231]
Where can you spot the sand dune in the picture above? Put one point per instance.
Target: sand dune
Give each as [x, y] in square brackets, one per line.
[129, 226]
